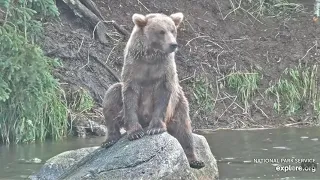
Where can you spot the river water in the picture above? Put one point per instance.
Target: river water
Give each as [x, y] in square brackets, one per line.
[250, 154]
[256, 154]
[14, 159]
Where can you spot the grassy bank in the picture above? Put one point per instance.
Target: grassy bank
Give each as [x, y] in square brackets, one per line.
[243, 95]
[34, 107]
[296, 90]
[296, 93]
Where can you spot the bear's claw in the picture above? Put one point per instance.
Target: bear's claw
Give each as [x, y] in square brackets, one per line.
[154, 131]
[109, 142]
[136, 135]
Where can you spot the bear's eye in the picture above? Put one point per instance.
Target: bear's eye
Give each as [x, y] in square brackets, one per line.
[173, 31]
[162, 32]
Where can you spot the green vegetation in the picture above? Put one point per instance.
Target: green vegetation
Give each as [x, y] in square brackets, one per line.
[202, 91]
[274, 7]
[245, 84]
[32, 106]
[80, 101]
[80, 104]
[296, 91]
[258, 8]
[297, 88]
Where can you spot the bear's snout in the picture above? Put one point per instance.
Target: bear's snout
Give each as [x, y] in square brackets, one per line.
[173, 46]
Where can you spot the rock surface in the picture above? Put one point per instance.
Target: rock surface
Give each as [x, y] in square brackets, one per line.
[152, 157]
[84, 126]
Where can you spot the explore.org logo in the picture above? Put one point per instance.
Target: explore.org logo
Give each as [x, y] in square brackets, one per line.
[288, 168]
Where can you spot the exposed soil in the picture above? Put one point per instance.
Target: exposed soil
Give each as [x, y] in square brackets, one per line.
[210, 46]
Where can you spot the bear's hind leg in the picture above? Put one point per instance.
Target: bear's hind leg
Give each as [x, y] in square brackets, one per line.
[180, 127]
[112, 111]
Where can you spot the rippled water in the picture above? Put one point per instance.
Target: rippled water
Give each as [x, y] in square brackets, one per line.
[17, 161]
[259, 154]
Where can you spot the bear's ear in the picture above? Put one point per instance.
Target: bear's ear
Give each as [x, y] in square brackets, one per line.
[139, 20]
[177, 18]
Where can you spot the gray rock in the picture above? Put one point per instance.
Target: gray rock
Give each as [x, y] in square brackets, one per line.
[151, 157]
[83, 126]
[57, 165]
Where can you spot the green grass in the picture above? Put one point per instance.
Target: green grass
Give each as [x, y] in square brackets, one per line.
[245, 85]
[316, 107]
[295, 89]
[275, 7]
[202, 92]
[258, 8]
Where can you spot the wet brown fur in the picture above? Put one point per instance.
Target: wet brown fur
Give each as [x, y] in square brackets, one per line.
[149, 95]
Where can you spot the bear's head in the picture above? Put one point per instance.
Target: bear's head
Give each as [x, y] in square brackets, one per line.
[159, 30]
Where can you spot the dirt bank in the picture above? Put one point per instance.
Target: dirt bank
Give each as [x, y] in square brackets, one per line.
[213, 42]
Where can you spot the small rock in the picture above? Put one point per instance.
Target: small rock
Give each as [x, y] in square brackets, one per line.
[36, 160]
[30, 161]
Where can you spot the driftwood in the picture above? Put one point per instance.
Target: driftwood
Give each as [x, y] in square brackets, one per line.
[82, 11]
[89, 11]
[93, 7]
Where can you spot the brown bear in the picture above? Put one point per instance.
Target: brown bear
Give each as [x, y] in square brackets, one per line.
[149, 95]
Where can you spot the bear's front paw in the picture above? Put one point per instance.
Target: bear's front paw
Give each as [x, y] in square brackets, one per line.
[196, 164]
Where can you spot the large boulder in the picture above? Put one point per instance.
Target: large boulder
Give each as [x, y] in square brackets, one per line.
[151, 157]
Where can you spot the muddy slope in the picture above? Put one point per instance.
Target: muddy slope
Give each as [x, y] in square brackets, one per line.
[212, 42]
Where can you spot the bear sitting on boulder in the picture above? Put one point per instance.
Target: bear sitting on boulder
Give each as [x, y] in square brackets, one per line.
[149, 95]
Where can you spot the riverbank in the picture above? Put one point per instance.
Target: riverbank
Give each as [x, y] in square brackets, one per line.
[238, 69]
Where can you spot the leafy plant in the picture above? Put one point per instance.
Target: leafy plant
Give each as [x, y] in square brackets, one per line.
[32, 105]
